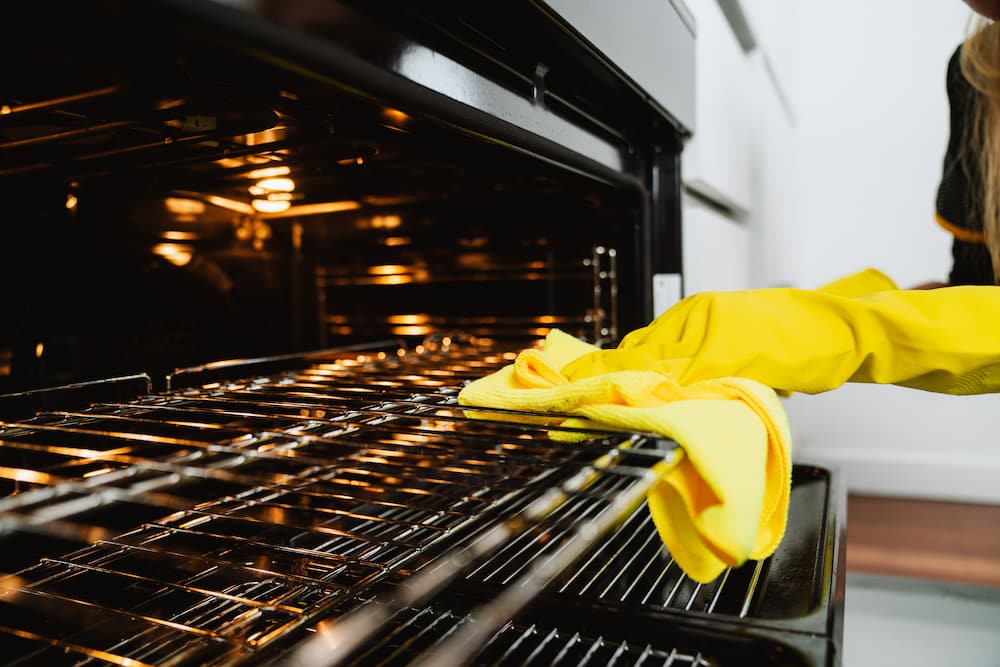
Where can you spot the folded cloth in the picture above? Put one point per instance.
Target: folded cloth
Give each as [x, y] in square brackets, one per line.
[725, 500]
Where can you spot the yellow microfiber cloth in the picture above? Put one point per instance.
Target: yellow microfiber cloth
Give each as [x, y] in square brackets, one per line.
[726, 499]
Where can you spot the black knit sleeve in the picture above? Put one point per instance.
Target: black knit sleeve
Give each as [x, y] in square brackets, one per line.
[971, 264]
[959, 184]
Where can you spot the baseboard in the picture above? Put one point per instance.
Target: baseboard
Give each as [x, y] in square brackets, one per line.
[963, 477]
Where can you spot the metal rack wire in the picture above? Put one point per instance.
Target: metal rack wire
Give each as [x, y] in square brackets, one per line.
[237, 520]
[419, 631]
[251, 507]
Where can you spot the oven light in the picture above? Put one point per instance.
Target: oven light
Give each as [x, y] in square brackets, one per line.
[268, 206]
[316, 209]
[173, 235]
[269, 172]
[71, 202]
[392, 280]
[280, 196]
[412, 330]
[175, 253]
[410, 319]
[257, 191]
[39, 350]
[386, 221]
[276, 184]
[392, 241]
[184, 206]
[230, 204]
[387, 269]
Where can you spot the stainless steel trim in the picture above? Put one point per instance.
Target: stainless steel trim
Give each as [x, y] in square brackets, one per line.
[448, 77]
[651, 41]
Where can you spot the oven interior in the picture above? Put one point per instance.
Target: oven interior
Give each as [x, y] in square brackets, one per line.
[189, 183]
[170, 200]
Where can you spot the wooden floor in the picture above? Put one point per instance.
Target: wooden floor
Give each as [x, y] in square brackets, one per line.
[923, 539]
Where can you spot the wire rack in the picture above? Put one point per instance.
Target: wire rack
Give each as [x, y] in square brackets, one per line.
[249, 520]
[419, 631]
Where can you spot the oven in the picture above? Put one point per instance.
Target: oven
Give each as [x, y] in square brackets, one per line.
[255, 249]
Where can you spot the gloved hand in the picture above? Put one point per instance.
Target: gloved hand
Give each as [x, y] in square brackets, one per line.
[723, 501]
[794, 340]
[860, 283]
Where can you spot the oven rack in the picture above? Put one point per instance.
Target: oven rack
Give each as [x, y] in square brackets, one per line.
[252, 506]
[232, 520]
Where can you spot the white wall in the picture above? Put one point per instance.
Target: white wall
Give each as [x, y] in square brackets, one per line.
[888, 440]
[872, 129]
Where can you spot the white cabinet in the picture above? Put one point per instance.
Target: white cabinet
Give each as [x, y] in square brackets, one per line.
[743, 158]
[774, 221]
[775, 27]
[716, 250]
[716, 161]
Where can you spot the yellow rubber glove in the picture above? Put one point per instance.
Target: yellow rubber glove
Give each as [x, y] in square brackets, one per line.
[861, 283]
[724, 501]
[793, 340]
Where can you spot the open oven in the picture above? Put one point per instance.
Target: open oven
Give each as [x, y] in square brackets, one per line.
[253, 252]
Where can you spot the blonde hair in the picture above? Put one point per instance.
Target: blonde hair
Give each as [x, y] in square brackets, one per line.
[980, 63]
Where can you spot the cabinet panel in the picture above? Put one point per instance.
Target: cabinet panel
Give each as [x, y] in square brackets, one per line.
[649, 39]
[775, 26]
[716, 162]
[774, 220]
[716, 251]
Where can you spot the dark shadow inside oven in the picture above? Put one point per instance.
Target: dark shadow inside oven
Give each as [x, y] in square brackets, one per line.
[163, 211]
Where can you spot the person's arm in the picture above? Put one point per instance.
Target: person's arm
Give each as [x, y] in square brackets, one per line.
[955, 205]
[808, 341]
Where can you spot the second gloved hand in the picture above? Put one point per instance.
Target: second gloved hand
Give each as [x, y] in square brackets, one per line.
[945, 340]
